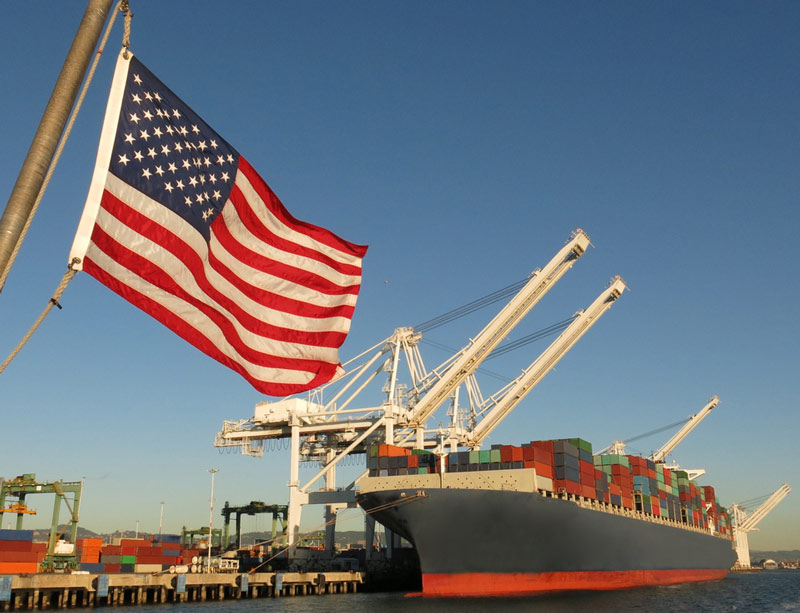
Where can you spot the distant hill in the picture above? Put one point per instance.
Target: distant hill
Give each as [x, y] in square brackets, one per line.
[778, 556]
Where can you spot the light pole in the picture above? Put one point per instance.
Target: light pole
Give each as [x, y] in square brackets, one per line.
[213, 471]
[161, 521]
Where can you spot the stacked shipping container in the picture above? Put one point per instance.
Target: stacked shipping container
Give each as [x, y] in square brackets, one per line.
[18, 553]
[567, 466]
[142, 555]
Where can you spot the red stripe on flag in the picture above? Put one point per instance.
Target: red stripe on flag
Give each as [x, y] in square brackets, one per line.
[320, 235]
[323, 372]
[156, 276]
[267, 265]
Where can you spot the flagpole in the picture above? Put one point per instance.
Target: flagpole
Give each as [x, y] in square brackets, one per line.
[31, 175]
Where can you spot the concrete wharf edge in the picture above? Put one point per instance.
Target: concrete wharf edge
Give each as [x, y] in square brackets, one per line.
[58, 591]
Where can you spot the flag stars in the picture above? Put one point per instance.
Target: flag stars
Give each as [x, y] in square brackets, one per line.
[195, 129]
[165, 149]
[220, 160]
[172, 168]
[202, 145]
[188, 201]
[183, 131]
[138, 156]
[170, 130]
[157, 96]
[193, 181]
[129, 138]
[143, 134]
[151, 152]
[214, 144]
[179, 184]
[123, 159]
[206, 162]
[135, 118]
[176, 114]
[217, 195]
[230, 158]
[136, 98]
[168, 186]
[178, 147]
[137, 79]
[186, 164]
[147, 115]
[148, 96]
[146, 173]
[225, 177]
[159, 170]
[212, 178]
[199, 198]
[207, 213]
[157, 132]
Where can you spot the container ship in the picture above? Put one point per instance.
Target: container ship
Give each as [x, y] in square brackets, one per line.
[546, 516]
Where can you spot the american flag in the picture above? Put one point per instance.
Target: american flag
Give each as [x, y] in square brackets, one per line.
[179, 224]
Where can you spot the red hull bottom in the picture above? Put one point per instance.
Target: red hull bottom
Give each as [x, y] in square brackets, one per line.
[502, 584]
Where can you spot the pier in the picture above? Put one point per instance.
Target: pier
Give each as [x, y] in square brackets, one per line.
[59, 591]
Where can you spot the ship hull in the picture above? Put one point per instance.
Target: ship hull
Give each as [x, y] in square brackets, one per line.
[483, 542]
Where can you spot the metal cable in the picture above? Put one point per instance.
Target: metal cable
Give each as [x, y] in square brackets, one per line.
[59, 149]
[62, 286]
[470, 307]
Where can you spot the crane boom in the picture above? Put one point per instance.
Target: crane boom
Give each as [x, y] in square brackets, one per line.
[770, 503]
[744, 523]
[497, 329]
[546, 361]
[681, 434]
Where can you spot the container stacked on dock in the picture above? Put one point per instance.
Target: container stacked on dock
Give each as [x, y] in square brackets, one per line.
[567, 466]
[18, 553]
[138, 556]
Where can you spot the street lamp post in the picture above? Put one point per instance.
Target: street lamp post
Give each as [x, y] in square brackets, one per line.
[213, 471]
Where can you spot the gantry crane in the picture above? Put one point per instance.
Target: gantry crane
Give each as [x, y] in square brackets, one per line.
[329, 430]
[499, 406]
[618, 447]
[744, 523]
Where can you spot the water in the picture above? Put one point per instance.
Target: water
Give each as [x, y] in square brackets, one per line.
[764, 592]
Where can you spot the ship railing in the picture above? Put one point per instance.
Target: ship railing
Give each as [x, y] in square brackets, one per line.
[605, 507]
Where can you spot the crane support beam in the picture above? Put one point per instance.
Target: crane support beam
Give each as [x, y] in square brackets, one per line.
[497, 329]
[546, 362]
[681, 434]
[744, 523]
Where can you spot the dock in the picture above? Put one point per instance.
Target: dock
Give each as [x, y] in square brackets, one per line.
[59, 591]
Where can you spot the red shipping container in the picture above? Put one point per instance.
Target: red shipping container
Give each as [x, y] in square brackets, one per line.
[113, 568]
[128, 551]
[588, 491]
[39, 547]
[528, 454]
[133, 543]
[528, 464]
[587, 480]
[570, 487]
[16, 546]
[19, 556]
[112, 550]
[544, 470]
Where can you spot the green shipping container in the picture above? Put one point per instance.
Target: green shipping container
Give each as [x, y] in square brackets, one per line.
[474, 457]
[581, 444]
[494, 455]
[127, 560]
[485, 457]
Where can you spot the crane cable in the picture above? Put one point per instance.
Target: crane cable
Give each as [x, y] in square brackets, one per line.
[122, 5]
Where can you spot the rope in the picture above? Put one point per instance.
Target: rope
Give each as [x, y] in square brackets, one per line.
[59, 149]
[124, 7]
[54, 301]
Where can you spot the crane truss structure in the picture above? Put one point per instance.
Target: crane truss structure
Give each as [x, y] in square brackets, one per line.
[743, 523]
[331, 423]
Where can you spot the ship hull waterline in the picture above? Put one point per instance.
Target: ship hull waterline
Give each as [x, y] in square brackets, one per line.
[482, 543]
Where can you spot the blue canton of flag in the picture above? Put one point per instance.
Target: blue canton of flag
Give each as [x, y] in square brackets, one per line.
[166, 151]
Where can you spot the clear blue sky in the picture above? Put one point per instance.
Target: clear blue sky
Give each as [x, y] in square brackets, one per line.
[463, 141]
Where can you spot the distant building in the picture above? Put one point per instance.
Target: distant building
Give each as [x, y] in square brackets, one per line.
[770, 565]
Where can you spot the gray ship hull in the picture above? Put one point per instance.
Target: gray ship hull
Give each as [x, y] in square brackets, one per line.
[477, 542]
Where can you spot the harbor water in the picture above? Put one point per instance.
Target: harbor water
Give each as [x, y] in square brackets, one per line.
[761, 592]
